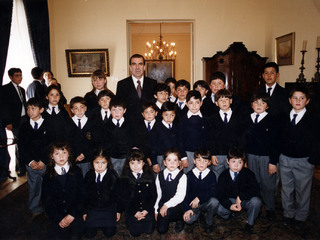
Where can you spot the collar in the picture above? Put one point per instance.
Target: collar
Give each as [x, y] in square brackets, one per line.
[232, 174]
[56, 109]
[212, 98]
[116, 121]
[261, 116]
[97, 92]
[151, 123]
[39, 121]
[58, 168]
[300, 114]
[136, 174]
[229, 113]
[204, 173]
[204, 97]
[173, 173]
[166, 124]
[101, 174]
[103, 113]
[189, 114]
[159, 104]
[135, 81]
[172, 98]
[83, 120]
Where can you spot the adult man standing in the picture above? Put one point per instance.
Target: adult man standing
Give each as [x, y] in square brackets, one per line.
[36, 89]
[13, 108]
[136, 89]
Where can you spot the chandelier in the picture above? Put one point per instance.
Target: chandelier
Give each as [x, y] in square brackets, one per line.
[160, 50]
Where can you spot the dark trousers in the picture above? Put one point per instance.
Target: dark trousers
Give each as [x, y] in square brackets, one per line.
[91, 232]
[136, 227]
[173, 215]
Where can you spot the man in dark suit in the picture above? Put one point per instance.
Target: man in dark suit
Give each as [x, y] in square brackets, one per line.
[36, 89]
[136, 89]
[13, 106]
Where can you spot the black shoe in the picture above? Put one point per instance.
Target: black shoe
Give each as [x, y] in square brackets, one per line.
[299, 225]
[208, 228]
[287, 221]
[271, 215]
[179, 226]
[248, 229]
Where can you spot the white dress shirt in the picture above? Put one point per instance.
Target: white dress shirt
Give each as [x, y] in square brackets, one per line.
[272, 88]
[115, 121]
[300, 115]
[59, 169]
[83, 120]
[229, 113]
[261, 116]
[56, 109]
[101, 174]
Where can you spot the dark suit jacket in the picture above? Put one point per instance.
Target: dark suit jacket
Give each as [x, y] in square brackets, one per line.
[127, 91]
[36, 89]
[10, 104]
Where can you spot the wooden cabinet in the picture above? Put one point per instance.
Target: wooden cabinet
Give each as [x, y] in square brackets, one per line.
[242, 68]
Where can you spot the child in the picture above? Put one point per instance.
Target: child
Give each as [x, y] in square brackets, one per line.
[261, 147]
[62, 195]
[84, 134]
[99, 83]
[137, 194]
[237, 189]
[182, 89]
[299, 154]
[193, 129]
[226, 131]
[164, 136]
[118, 136]
[201, 191]
[171, 186]
[100, 197]
[33, 147]
[161, 94]
[171, 82]
[202, 87]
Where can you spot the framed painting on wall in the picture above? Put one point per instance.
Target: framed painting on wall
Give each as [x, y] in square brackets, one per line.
[83, 62]
[285, 49]
[160, 70]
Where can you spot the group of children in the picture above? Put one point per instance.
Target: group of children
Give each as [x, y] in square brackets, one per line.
[195, 157]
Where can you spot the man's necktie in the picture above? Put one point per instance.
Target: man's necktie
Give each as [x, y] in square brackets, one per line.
[225, 118]
[53, 111]
[20, 94]
[293, 121]
[138, 176]
[235, 176]
[63, 171]
[99, 178]
[169, 177]
[200, 177]
[269, 91]
[149, 126]
[79, 123]
[35, 126]
[256, 120]
[139, 89]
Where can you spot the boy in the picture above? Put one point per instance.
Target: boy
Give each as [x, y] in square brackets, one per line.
[164, 136]
[161, 94]
[261, 147]
[237, 189]
[171, 82]
[171, 184]
[226, 130]
[84, 134]
[299, 154]
[193, 129]
[201, 191]
[118, 139]
[182, 89]
[202, 87]
[33, 150]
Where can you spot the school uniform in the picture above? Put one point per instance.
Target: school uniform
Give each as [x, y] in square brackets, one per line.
[243, 185]
[226, 132]
[193, 134]
[138, 193]
[201, 185]
[142, 134]
[261, 144]
[92, 100]
[299, 154]
[171, 191]
[181, 110]
[209, 107]
[100, 117]
[62, 196]
[100, 202]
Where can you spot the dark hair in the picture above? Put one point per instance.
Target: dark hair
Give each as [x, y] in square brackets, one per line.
[236, 152]
[12, 71]
[173, 151]
[260, 95]
[51, 87]
[36, 72]
[183, 83]
[105, 93]
[271, 65]
[193, 94]
[222, 93]
[149, 104]
[300, 88]
[58, 146]
[117, 102]
[218, 75]
[168, 106]
[201, 83]
[135, 155]
[47, 70]
[35, 102]
[78, 99]
[161, 87]
[137, 56]
[100, 152]
[170, 80]
[204, 153]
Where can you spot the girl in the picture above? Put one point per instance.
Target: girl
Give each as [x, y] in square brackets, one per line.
[137, 194]
[99, 83]
[100, 197]
[61, 193]
[56, 115]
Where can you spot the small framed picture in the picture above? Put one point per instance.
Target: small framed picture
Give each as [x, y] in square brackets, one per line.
[160, 70]
[83, 62]
[285, 49]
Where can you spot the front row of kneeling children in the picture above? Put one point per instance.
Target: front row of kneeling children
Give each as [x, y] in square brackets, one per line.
[75, 206]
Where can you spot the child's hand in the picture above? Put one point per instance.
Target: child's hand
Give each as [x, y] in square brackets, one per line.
[41, 165]
[118, 217]
[66, 221]
[238, 201]
[34, 165]
[156, 168]
[80, 157]
[149, 162]
[84, 217]
[140, 215]
[187, 214]
[163, 211]
[214, 160]
[195, 203]
[272, 169]
[235, 207]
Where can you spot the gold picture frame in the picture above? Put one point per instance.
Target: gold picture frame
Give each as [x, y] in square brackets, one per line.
[285, 49]
[160, 70]
[83, 62]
